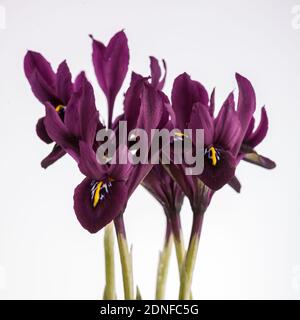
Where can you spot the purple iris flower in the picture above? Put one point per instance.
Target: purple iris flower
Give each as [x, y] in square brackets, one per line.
[228, 138]
[223, 134]
[158, 182]
[48, 86]
[103, 194]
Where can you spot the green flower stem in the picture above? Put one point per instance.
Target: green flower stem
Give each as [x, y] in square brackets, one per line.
[190, 259]
[178, 241]
[110, 286]
[125, 258]
[163, 264]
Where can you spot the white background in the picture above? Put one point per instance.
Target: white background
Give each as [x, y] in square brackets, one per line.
[250, 243]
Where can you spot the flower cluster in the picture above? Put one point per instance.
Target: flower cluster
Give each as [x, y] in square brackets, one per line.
[71, 123]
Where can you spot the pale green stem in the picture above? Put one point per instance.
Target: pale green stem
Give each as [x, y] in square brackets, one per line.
[190, 259]
[180, 251]
[179, 243]
[125, 258]
[163, 264]
[110, 287]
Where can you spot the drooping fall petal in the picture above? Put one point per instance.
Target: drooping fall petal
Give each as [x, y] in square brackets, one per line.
[215, 177]
[42, 132]
[56, 153]
[94, 218]
[255, 158]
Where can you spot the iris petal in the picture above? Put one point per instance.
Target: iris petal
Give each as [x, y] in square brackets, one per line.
[111, 65]
[215, 177]
[185, 94]
[56, 153]
[42, 132]
[95, 218]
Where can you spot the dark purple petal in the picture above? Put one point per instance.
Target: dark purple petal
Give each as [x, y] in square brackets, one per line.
[144, 106]
[261, 131]
[138, 173]
[92, 218]
[185, 94]
[132, 101]
[81, 116]
[152, 109]
[59, 133]
[235, 184]
[89, 115]
[41, 77]
[212, 103]
[35, 62]
[154, 183]
[215, 177]
[56, 153]
[186, 182]
[246, 106]
[121, 167]
[202, 119]
[42, 91]
[42, 132]
[163, 188]
[227, 125]
[64, 86]
[250, 129]
[156, 73]
[259, 160]
[72, 115]
[111, 65]
[88, 163]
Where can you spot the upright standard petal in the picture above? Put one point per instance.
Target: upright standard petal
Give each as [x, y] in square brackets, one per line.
[59, 132]
[202, 119]
[89, 115]
[227, 125]
[156, 73]
[111, 65]
[132, 100]
[246, 106]
[152, 109]
[256, 137]
[64, 86]
[185, 94]
[40, 76]
[35, 62]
